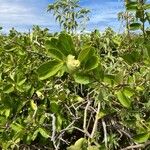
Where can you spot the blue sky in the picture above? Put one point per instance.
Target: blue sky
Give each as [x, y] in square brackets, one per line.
[22, 14]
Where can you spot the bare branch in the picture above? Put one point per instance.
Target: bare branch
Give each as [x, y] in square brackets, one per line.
[85, 115]
[137, 146]
[96, 121]
[105, 132]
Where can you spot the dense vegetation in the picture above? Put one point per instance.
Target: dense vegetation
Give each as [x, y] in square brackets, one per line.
[87, 91]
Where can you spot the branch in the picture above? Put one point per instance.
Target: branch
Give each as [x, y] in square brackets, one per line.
[105, 132]
[85, 115]
[83, 131]
[54, 131]
[137, 146]
[96, 121]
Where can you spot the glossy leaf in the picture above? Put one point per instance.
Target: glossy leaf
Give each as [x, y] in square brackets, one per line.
[109, 79]
[135, 26]
[17, 127]
[92, 63]
[146, 6]
[125, 101]
[33, 105]
[79, 145]
[132, 6]
[35, 134]
[56, 54]
[98, 73]
[128, 92]
[54, 107]
[53, 51]
[49, 69]
[85, 54]
[93, 148]
[44, 133]
[66, 44]
[21, 82]
[131, 57]
[8, 88]
[141, 138]
[82, 78]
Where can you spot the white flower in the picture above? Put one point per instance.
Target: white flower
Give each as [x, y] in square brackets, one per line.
[72, 63]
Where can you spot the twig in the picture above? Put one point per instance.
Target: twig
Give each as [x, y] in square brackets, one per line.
[53, 127]
[83, 131]
[64, 141]
[77, 107]
[89, 120]
[67, 128]
[96, 121]
[69, 111]
[137, 146]
[85, 115]
[54, 131]
[105, 132]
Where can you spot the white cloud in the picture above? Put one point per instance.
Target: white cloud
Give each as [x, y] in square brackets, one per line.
[19, 14]
[97, 17]
[22, 14]
[104, 14]
[12, 8]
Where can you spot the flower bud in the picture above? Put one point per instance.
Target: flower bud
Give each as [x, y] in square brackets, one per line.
[72, 63]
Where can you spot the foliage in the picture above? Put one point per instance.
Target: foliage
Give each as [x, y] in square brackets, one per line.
[69, 14]
[84, 91]
[136, 15]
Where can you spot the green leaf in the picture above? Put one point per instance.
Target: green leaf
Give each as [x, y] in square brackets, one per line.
[135, 26]
[40, 95]
[7, 112]
[82, 78]
[119, 77]
[56, 54]
[80, 144]
[53, 51]
[109, 79]
[86, 53]
[59, 122]
[21, 82]
[148, 18]
[52, 43]
[49, 69]
[132, 57]
[17, 127]
[146, 6]
[131, 6]
[128, 92]
[42, 119]
[33, 105]
[35, 134]
[98, 73]
[125, 101]
[66, 44]
[54, 107]
[92, 63]
[8, 88]
[141, 138]
[44, 133]
[148, 49]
